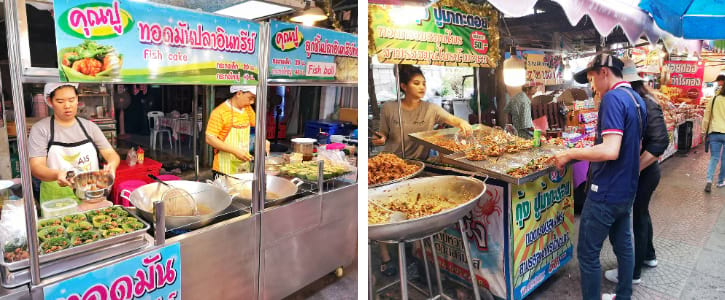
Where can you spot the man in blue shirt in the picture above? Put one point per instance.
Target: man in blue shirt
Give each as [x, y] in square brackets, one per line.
[613, 177]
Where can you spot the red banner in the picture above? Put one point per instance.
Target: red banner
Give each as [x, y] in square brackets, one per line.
[684, 80]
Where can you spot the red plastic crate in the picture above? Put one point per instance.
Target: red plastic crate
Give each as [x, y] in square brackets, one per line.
[138, 172]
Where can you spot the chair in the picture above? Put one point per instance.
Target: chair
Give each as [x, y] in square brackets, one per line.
[155, 129]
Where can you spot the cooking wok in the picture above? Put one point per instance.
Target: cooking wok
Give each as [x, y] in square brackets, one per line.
[210, 199]
[239, 186]
[421, 227]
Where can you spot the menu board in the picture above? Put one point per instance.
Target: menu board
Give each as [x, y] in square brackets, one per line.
[301, 52]
[144, 42]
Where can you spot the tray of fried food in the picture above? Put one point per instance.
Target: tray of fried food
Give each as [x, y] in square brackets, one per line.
[534, 165]
[387, 168]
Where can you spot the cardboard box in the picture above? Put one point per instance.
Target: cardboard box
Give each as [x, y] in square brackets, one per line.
[349, 115]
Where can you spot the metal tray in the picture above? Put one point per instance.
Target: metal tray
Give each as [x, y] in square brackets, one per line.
[419, 137]
[12, 279]
[421, 227]
[44, 258]
[488, 167]
[421, 166]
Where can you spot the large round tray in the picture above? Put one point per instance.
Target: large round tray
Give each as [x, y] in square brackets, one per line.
[421, 227]
[421, 166]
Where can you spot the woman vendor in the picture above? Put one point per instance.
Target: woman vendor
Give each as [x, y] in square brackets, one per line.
[228, 131]
[64, 142]
[417, 116]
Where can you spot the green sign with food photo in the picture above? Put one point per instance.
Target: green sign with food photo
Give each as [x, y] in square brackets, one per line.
[446, 33]
[141, 42]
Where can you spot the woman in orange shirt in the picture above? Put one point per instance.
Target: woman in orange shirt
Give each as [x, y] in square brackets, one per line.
[228, 131]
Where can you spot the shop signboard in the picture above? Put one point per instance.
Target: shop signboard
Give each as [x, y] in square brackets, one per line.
[151, 275]
[543, 68]
[684, 81]
[301, 52]
[542, 217]
[446, 33]
[485, 225]
[144, 42]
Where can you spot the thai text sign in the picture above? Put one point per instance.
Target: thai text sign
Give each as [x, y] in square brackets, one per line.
[447, 33]
[543, 68]
[542, 213]
[143, 42]
[684, 81]
[152, 275]
[300, 52]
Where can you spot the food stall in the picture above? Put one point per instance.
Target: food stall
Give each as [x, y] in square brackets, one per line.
[518, 230]
[204, 236]
[296, 247]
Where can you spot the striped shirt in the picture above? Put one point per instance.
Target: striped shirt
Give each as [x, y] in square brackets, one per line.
[224, 117]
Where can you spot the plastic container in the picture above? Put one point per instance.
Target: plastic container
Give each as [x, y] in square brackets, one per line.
[140, 155]
[313, 128]
[305, 146]
[58, 207]
[335, 146]
[337, 139]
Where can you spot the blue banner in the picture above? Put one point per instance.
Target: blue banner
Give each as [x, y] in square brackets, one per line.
[301, 52]
[143, 42]
[153, 275]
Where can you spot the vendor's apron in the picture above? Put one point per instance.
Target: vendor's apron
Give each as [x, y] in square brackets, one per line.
[238, 136]
[79, 157]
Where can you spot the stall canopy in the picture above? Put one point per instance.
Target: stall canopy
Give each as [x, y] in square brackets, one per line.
[690, 19]
[606, 16]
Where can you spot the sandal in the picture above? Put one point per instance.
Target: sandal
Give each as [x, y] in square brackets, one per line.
[388, 268]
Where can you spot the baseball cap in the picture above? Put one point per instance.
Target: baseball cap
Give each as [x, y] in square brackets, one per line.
[602, 60]
[629, 72]
[51, 87]
[243, 88]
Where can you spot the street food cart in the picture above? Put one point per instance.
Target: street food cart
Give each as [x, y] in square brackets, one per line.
[517, 233]
[263, 246]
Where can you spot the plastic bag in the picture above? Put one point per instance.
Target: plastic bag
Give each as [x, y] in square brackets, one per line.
[131, 157]
[333, 157]
[12, 231]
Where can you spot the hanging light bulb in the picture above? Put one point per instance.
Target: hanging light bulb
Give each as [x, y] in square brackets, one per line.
[514, 70]
[309, 15]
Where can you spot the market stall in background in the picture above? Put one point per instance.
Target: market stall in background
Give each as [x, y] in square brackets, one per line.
[201, 234]
[519, 232]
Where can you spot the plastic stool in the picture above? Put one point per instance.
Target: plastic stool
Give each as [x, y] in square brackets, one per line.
[125, 188]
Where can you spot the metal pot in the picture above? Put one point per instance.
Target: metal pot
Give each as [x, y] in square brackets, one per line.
[83, 187]
[211, 199]
[421, 227]
[241, 189]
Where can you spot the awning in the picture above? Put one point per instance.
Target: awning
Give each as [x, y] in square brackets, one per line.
[607, 15]
[690, 19]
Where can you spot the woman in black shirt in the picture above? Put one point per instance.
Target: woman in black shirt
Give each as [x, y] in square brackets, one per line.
[655, 141]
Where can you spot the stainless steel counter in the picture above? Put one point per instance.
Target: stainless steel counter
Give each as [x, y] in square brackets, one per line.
[304, 240]
[19, 293]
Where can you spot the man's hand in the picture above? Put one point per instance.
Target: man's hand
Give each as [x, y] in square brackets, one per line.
[62, 179]
[242, 155]
[561, 159]
[378, 139]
